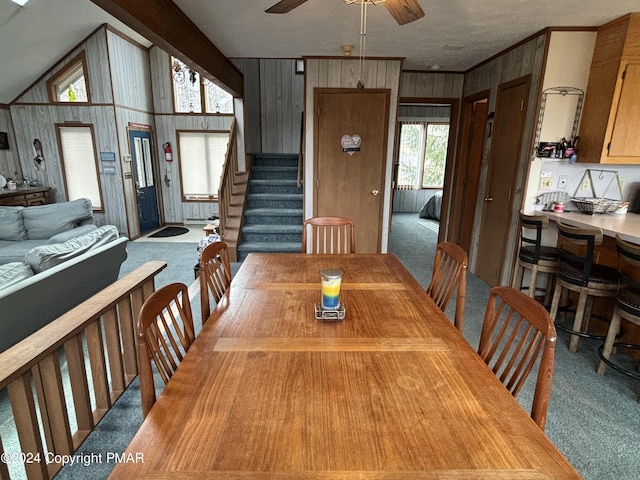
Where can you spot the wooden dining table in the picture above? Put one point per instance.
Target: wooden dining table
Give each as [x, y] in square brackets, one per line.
[392, 391]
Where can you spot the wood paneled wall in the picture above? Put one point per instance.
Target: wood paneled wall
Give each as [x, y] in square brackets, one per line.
[431, 85]
[344, 73]
[8, 158]
[524, 59]
[98, 72]
[274, 100]
[166, 124]
[38, 121]
[120, 84]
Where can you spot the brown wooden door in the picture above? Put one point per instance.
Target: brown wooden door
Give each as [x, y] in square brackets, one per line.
[471, 147]
[352, 185]
[506, 146]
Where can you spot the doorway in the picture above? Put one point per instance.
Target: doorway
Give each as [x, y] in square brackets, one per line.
[471, 147]
[504, 159]
[145, 179]
[350, 159]
[423, 160]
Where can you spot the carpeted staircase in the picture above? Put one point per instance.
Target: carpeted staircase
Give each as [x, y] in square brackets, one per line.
[273, 216]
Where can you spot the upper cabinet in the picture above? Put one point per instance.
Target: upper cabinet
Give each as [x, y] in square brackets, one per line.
[611, 114]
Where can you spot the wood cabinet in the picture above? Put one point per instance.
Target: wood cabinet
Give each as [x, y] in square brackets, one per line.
[26, 197]
[611, 114]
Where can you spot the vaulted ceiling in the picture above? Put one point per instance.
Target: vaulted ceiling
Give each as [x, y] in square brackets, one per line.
[454, 35]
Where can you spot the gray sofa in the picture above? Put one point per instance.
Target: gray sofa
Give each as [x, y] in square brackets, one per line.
[64, 263]
[23, 228]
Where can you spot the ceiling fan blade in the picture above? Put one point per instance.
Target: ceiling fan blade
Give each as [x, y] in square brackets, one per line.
[285, 6]
[404, 11]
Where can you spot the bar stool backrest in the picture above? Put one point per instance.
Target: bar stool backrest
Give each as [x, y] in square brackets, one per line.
[533, 222]
[577, 245]
[628, 253]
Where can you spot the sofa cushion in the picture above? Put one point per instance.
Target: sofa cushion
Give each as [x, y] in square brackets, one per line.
[46, 256]
[14, 272]
[11, 224]
[74, 232]
[45, 221]
[15, 251]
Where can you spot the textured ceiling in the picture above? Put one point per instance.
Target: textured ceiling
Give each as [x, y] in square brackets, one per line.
[34, 37]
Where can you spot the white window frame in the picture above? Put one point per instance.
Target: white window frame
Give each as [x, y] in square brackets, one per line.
[201, 158]
[79, 162]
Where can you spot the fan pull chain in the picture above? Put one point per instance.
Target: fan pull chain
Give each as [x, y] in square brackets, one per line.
[363, 39]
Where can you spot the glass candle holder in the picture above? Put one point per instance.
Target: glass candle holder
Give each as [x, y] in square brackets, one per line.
[331, 280]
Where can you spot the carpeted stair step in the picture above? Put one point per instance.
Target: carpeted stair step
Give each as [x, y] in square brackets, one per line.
[272, 233]
[274, 200]
[269, 173]
[274, 186]
[245, 248]
[270, 216]
[275, 160]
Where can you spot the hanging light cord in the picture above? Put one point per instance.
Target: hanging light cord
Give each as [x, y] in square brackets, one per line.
[363, 39]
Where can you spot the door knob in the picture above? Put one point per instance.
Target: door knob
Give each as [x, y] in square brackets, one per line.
[375, 193]
[488, 199]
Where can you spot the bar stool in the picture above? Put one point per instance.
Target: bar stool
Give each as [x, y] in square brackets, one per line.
[627, 307]
[578, 273]
[535, 256]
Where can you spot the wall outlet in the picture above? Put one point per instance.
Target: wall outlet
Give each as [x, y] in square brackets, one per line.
[562, 181]
[586, 184]
[546, 183]
[622, 183]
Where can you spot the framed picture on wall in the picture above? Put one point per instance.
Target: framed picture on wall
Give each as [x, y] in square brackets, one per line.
[4, 141]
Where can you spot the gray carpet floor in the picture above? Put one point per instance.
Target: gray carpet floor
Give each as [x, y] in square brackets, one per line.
[594, 421]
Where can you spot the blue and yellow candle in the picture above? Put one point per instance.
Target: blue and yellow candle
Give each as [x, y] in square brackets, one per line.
[331, 280]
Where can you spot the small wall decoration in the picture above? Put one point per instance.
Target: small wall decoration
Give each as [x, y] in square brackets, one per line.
[4, 141]
[351, 143]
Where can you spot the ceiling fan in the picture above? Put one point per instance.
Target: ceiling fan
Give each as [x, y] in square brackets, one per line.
[403, 11]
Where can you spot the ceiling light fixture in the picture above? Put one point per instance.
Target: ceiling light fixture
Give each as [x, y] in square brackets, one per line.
[22, 3]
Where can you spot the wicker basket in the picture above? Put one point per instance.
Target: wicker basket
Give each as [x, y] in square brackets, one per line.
[595, 205]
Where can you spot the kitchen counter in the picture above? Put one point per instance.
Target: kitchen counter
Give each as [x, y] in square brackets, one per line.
[627, 225]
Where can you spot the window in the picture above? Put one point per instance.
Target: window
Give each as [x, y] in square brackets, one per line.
[69, 84]
[201, 160]
[423, 154]
[79, 163]
[196, 94]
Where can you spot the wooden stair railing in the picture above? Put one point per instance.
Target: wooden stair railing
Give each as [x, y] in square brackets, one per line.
[36, 371]
[232, 196]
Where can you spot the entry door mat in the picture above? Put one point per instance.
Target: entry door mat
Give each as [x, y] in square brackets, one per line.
[170, 232]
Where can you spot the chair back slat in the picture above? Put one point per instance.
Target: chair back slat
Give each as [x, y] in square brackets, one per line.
[328, 235]
[215, 276]
[449, 276]
[517, 333]
[165, 334]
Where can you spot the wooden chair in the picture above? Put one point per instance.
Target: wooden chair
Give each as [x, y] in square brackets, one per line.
[165, 333]
[328, 235]
[627, 307]
[534, 256]
[517, 331]
[215, 275]
[579, 273]
[449, 275]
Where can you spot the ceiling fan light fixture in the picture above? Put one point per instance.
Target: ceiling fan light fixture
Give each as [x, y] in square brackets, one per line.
[346, 50]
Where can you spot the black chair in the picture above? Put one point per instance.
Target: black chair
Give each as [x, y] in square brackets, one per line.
[627, 307]
[579, 273]
[536, 257]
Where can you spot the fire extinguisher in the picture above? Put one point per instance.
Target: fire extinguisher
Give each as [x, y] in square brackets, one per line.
[168, 155]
